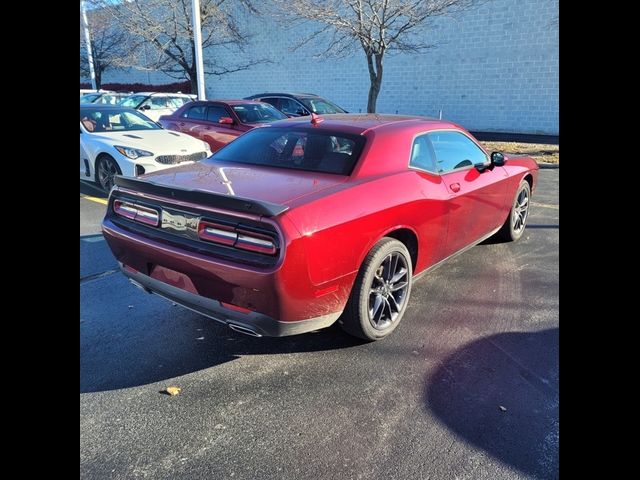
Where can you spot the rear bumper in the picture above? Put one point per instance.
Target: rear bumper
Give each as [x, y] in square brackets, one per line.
[251, 323]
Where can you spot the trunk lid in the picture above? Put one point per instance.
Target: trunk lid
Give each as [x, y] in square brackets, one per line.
[268, 184]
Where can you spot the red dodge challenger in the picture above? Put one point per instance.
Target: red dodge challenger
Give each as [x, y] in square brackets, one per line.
[219, 122]
[309, 221]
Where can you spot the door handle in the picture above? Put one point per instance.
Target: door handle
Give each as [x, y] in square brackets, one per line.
[455, 187]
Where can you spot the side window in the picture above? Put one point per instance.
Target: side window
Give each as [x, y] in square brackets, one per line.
[175, 102]
[422, 154]
[158, 103]
[272, 101]
[196, 113]
[215, 112]
[454, 150]
[290, 106]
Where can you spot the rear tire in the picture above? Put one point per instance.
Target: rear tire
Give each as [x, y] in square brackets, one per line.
[380, 293]
[514, 225]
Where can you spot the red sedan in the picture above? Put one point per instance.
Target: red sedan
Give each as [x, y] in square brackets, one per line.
[218, 122]
[310, 221]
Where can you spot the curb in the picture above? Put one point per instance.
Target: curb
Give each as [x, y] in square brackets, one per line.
[553, 166]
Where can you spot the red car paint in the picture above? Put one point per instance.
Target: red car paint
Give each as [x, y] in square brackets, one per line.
[217, 134]
[330, 223]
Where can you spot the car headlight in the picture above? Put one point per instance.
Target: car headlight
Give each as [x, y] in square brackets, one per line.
[132, 152]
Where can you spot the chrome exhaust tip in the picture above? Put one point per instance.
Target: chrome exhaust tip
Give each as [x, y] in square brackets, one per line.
[245, 330]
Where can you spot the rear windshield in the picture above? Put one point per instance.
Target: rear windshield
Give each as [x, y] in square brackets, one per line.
[300, 149]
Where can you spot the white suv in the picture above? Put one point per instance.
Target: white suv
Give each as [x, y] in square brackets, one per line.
[154, 105]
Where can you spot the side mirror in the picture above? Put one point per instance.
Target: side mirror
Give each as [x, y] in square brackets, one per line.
[497, 159]
[145, 107]
[226, 120]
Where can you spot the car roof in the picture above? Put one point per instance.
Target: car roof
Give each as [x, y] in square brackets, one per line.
[285, 94]
[358, 123]
[234, 101]
[162, 93]
[107, 106]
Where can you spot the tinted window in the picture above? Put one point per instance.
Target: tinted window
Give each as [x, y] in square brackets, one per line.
[422, 154]
[290, 106]
[272, 101]
[196, 113]
[316, 151]
[455, 150]
[215, 112]
[254, 113]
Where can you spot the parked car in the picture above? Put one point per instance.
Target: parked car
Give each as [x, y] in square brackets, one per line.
[299, 224]
[121, 141]
[154, 105]
[218, 122]
[298, 104]
[104, 98]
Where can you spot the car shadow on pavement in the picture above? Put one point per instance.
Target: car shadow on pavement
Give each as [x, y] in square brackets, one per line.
[92, 190]
[500, 393]
[130, 352]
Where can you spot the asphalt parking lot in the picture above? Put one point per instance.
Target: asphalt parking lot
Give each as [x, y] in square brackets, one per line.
[465, 388]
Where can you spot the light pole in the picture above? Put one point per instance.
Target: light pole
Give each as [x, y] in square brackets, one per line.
[87, 39]
[197, 38]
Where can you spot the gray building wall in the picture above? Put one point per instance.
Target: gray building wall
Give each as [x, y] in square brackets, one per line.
[495, 68]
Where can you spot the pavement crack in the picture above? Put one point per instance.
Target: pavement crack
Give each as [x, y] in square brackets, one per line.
[96, 276]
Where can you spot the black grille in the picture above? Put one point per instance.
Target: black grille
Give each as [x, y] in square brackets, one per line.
[174, 159]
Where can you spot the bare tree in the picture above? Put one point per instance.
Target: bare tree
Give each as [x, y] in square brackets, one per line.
[377, 26]
[166, 27]
[108, 45]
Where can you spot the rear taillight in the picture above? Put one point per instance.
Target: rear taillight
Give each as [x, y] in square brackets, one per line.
[255, 242]
[214, 232]
[137, 213]
[236, 237]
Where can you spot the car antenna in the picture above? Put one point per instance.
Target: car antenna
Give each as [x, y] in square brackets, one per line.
[316, 119]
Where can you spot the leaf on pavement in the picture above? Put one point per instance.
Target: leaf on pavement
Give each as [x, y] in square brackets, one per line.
[173, 390]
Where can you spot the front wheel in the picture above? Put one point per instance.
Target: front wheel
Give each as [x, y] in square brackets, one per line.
[515, 223]
[106, 171]
[380, 293]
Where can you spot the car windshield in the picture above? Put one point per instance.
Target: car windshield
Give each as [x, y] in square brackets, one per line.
[134, 101]
[319, 105]
[109, 99]
[257, 113]
[90, 97]
[299, 149]
[97, 120]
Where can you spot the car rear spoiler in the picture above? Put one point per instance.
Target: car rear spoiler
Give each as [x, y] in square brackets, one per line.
[210, 199]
